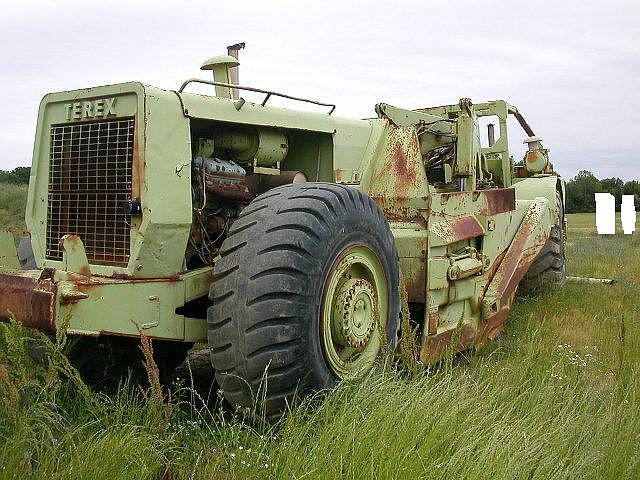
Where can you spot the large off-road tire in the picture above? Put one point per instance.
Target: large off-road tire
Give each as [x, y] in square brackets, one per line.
[549, 267]
[305, 293]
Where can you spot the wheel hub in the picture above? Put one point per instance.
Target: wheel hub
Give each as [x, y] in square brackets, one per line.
[355, 313]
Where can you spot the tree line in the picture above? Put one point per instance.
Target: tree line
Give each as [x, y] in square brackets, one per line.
[17, 176]
[580, 189]
[580, 196]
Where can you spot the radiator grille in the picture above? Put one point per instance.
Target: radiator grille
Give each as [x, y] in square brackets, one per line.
[90, 176]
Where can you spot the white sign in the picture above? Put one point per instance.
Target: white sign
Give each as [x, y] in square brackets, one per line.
[606, 214]
[628, 214]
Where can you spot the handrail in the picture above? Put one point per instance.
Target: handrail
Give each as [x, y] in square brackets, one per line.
[253, 89]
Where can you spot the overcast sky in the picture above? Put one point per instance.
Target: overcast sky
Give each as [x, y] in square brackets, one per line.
[572, 67]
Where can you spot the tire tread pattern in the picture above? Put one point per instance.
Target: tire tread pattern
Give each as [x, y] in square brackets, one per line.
[258, 321]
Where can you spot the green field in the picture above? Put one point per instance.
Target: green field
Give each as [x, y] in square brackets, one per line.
[557, 397]
[13, 201]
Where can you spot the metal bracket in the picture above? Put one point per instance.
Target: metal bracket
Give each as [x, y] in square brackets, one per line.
[404, 118]
[74, 256]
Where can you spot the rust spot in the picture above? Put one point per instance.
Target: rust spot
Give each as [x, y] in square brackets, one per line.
[445, 196]
[72, 239]
[404, 174]
[398, 179]
[518, 274]
[492, 328]
[435, 347]
[230, 192]
[459, 228]
[72, 297]
[402, 167]
[397, 210]
[75, 242]
[415, 282]
[122, 276]
[517, 259]
[402, 162]
[434, 320]
[466, 227]
[499, 200]
[77, 278]
[173, 277]
[31, 301]
[520, 171]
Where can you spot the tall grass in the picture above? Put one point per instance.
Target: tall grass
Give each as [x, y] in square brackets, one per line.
[556, 397]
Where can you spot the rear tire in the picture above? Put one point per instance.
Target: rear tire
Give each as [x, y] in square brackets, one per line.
[285, 259]
[197, 375]
[549, 267]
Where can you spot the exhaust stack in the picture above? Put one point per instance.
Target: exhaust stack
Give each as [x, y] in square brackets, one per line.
[234, 74]
[225, 70]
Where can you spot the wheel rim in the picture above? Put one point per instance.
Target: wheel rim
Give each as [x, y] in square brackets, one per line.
[354, 312]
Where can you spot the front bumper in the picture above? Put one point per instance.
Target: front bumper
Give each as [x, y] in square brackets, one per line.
[49, 299]
[30, 297]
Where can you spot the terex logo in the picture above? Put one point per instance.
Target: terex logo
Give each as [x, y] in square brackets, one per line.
[102, 107]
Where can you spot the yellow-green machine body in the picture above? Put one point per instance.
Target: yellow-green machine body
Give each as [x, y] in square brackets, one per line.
[133, 189]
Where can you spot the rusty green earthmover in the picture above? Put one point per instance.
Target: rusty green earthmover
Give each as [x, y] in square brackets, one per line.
[284, 239]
